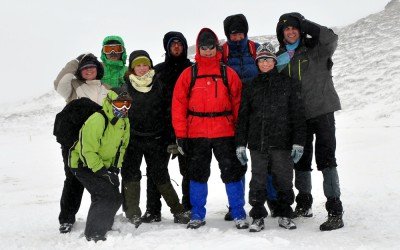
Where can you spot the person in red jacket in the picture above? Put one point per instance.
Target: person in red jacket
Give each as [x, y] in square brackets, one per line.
[204, 116]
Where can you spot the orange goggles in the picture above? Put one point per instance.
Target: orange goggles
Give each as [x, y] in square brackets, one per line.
[122, 104]
[110, 48]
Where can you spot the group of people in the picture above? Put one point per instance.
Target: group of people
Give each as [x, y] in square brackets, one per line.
[235, 96]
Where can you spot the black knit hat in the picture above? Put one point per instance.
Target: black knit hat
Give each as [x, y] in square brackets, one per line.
[236, 24]
[139, 54]
[207, 38]
[89, 60]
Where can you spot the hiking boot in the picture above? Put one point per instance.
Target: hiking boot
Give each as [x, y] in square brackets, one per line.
[135, 220]
[149, 217]
[286, 222]
[95, 238]
[241, 224]
[257, 225]
[228, 215]
[182, 218]
[302, 212]
[333, 222]
[65, 228]
[194, 224]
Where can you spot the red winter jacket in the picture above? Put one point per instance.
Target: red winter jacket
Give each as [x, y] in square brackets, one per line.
[208, 95]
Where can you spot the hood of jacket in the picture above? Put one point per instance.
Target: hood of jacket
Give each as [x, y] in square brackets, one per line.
[218, 56]
[167, 44]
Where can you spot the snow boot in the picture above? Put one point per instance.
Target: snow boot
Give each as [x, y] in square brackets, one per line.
[228, 215]
[131, 194]
[135, 220]
[241, 224]
[303, 206]
[195, 224]
[182, 218]
[167, 191]
[334, 222]
[65, 228]
[149, 217]
[257, 225]
[286, 222]
[95, 238]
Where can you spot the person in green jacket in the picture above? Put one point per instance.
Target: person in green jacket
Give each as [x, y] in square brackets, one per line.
[113, 55]
[96, 158]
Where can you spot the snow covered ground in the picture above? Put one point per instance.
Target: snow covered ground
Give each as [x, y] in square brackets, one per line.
[368, 138]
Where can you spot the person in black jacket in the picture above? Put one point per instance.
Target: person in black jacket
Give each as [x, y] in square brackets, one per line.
[167, 72]
[305, 54]
[272, 124]
[149, 121]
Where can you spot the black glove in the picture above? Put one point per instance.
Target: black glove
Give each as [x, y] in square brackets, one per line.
[297, 15]
[182, 145]
[109, 176]
[173, 150]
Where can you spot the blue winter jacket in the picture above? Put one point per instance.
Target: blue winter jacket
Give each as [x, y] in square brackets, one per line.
[241, 60]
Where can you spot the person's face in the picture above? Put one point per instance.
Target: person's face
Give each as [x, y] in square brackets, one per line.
[291, 34]
[141, 69]
[236, 37]
[114, 56]
[208, 51]
[89, 73]
[266, 64]
[176, 48]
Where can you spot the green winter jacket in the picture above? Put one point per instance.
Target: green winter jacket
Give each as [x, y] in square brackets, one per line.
[96, 149]
[114, 71]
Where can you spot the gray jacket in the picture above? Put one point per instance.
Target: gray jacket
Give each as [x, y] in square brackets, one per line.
[312, 66]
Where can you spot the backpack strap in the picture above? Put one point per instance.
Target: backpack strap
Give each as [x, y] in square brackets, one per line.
[105, 120]
[195, 76]
[252, 48]
[225, 52]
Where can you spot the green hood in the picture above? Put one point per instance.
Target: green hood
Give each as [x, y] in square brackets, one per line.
[114, 71]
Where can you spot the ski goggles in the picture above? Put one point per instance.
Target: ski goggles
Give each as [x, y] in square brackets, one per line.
[110, 48]
[121, 104]
[206, 47]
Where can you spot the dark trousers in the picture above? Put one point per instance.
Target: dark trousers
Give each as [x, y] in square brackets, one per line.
[106, 200]
[154, 151]
[200, 154]
[72, 192]
[153, 204]
[280, 164]
[323, 127]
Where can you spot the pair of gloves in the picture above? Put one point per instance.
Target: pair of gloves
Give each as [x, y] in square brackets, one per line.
[297, 152]
[109, 174]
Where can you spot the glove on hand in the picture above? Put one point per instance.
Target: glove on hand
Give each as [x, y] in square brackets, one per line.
[181, 143]
[81, 56]
[109, 176]
[173, 150]
[297, 152]
[241, 155]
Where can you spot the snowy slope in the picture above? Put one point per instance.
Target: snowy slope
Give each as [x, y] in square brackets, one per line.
[367, 77]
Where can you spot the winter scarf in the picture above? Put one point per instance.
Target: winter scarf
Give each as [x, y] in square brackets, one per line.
[142, 83]
[284, 58]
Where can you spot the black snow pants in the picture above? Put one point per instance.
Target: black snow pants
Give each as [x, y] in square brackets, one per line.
[153, 204]
[72, 192]
[281, 167]
[106, 200]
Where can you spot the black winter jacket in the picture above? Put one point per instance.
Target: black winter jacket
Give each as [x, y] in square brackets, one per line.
[148, 114]
[312, 66]
[168, 72]
[271, 113]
